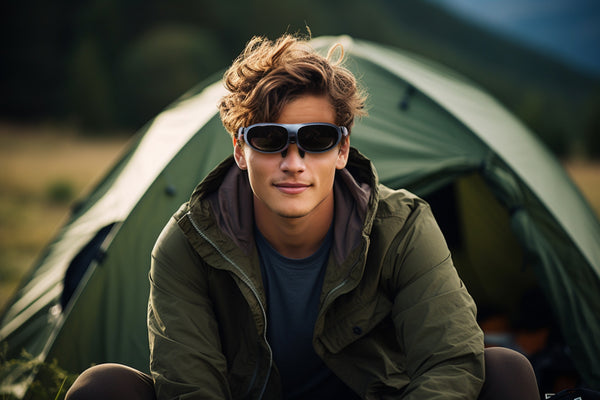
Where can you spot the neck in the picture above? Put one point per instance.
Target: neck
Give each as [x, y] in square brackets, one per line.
[295, 237]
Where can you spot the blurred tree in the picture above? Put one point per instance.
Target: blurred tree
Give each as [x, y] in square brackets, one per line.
[160, 66]
[592, 128]
[534, 110]
[117, 63]
[90, 86]
[35, 39]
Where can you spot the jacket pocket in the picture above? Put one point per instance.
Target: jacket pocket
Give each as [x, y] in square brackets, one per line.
[353, 320]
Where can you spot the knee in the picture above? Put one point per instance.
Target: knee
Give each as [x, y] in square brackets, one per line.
[509, 374]
[111, 381]
[507, 360]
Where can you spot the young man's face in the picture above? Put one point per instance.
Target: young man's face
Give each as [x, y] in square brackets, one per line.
[295, 186]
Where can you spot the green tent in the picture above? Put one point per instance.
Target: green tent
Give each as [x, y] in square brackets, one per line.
[511, 215]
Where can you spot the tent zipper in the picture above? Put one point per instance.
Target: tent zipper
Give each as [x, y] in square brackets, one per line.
[248, 283]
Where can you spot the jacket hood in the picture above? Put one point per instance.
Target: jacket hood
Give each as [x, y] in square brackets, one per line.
[227, 189]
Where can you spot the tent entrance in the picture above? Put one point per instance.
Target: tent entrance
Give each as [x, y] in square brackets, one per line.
[486, 253]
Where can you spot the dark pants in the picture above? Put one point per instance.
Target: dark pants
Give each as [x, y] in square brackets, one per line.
[509, 375]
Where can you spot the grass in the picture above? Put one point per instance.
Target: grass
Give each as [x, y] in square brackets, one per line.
[586, 175]
[51, 381]
[43, 171]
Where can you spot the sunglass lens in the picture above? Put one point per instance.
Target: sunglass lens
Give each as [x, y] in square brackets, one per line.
[267, 138]
[317, 138]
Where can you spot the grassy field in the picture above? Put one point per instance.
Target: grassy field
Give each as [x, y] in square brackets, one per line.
[586, 176]
[44, 171]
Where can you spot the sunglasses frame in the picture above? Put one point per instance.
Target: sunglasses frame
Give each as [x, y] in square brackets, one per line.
[292, 130]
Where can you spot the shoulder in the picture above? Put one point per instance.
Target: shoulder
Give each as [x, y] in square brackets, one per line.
[172, 243]
[405, 221]
[399, 203]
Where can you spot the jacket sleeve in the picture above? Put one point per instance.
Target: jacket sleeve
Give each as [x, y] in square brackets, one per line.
[434, 315]
[185, 350]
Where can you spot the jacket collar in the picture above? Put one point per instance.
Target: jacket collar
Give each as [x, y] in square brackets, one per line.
[227, 190]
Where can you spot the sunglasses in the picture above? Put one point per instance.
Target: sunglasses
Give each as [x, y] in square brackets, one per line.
[314, 137]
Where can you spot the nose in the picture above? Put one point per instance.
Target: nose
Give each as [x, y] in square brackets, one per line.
[292, 159]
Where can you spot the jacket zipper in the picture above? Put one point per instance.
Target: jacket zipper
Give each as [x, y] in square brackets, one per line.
[248, 283]
[339, 286]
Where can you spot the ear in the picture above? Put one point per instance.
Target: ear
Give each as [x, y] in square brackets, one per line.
[238, 154]
[343, 153]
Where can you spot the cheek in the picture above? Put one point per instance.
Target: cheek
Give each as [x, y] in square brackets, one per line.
[255, 176]
[258, 169]
[326, 172]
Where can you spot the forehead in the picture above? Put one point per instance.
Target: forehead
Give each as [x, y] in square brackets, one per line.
[307, 108]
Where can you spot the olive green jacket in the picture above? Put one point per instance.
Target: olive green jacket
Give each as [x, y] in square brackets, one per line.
[395, 320]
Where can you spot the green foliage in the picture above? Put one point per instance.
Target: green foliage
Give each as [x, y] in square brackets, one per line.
[534, 110]
[90, 89]
[60, 191]
[116, 64]
[161, 65]
[51, 382]
[592, 128]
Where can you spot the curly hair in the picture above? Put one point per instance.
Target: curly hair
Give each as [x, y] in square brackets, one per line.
[269, 74]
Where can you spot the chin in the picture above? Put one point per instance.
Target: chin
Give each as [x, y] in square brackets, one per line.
[291, 214]
[287, 210]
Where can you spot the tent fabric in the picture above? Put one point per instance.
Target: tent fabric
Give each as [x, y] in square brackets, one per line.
[35, 318]
[428, 130]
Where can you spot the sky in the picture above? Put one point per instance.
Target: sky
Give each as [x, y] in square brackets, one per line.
[569, 29]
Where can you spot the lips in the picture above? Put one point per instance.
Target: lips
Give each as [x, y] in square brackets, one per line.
[291, 187]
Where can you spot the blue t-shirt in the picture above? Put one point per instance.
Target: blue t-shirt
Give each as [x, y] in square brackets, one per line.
[293, 288]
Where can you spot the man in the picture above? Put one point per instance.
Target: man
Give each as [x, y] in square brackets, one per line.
[292, 273]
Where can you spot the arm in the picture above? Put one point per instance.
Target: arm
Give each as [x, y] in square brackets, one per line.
[185, 349]
[434, 316]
